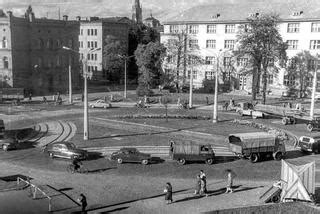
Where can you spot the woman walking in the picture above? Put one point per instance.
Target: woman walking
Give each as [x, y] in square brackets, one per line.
[168, 193]
[198, 185]
[230, 177]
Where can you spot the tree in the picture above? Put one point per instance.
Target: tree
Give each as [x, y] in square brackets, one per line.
[149, 59]
[301, 66]
[262, 42]
[112, 64]
[182, 54]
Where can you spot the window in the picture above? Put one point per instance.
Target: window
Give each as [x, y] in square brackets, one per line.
[270, 79]
[40, 44]
[209, 75]
[230, 29]
[289, 80]
[88, 44]
[70, 43]
[192, 60]
[242, 62]
[293, 27]
[227, 62]
[211, 44]
[315, 27]
[49, 44]
[58, 43]
[92, 32]
[314, 44]
[193, 29]
[5, 62]
[311, 64]
[95, 32]
[174, 29]
[229, 44]
[292, 44]
[292, 63]
[243, 80]
[88, 56]
[171, 59]
[88, 32]
[92, 44]
[95, 57]
[209, 60]
[81, 44]
[308, 81]
[95, 44]
[81, 32]
[211, 28]
[4, 42]
[194, 74]
[193, 43]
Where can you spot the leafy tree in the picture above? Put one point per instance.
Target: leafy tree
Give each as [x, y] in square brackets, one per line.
[149, 59]
[112, 64]
[300, 67]
[262, 42]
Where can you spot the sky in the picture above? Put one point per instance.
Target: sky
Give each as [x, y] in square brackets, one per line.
[161, 9]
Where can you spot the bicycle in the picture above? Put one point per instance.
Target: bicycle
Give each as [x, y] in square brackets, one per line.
[81, 169]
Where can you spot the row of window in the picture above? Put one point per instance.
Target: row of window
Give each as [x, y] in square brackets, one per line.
[58, 61]
[90, 32]
[231, 28]
[90, 44]
[228, 44]
[51, 44]
[4, 43]
[92, 56]
[5, 62]
[293, 44]
[92, 68]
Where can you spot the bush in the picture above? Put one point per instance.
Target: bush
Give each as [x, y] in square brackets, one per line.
[143, 90]
[207, 86]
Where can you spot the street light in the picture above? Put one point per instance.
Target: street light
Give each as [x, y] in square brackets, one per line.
[215, 105]
[70, 75]
[125, 73]
[314, 87]
[85, 91]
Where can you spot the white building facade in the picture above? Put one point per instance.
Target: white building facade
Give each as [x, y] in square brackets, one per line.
[213, 30]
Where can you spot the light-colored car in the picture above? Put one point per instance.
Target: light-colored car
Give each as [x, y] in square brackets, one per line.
[65, 150]
[100, 104]
[309, 144]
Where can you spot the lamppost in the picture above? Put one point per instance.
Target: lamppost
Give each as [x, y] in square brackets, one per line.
[215, 105]
[125, 73]
[314, 88]
[70, 74]
[85, 91]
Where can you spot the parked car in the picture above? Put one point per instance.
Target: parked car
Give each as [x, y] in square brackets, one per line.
[8, 143]
[309, 144]
[131, 155]
[100, 104]
[65, 150]
[256, 146]
[313, 124]
[189, 151]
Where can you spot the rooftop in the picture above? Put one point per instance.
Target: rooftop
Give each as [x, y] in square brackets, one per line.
[299, 10]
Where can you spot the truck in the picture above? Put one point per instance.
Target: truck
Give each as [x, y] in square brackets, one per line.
[256, 146]
[247, 109]
[12, 94]
[191, 152]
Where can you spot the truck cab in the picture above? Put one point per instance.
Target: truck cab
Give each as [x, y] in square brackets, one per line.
[309, 144]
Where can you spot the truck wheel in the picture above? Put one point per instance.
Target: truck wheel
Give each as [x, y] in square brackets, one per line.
[51, 155]
[310, 127]
[254, 158]
[284, 121]
[241, 113]
[144, 162]
[5, 147]
[209, 161]
[119, 161]
[182, 161]
[278, 156]
[294, 121]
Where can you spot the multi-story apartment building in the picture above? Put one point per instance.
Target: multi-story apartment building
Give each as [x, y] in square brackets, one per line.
[31, 54]
[211, 31]
[93, 35]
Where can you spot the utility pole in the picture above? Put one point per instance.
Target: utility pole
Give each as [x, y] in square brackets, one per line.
[70, 81]
[190, 90]
[314, 88]
[85, 100]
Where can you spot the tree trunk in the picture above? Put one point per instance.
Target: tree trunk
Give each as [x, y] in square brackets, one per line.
[264, 89]
[254, 83]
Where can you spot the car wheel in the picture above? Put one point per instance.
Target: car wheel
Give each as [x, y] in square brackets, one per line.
[182, 161]
[278, 156]
[310, 127]
[120, 161]
[5, 147]
[254, 158]
[209, 161]
[104, 107]
[92, 106]
[144, 162]
[284, 121]
[51, 155]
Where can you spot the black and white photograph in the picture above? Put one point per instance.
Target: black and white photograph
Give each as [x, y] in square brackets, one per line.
[160, 106]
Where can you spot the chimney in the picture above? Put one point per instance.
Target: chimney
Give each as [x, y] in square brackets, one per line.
[65, 18]
[9, 13]
[78, 18]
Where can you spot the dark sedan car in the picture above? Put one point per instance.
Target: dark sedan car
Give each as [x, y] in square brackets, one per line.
[131, 155]
[65, 150]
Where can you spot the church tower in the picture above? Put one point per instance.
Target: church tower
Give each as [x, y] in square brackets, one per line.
[137, 12]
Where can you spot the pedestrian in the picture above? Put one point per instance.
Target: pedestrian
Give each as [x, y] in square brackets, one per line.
[168, 193]
[198, 185]
[207, 100]
[226, 104]
[83, 200]
[230, 177]
[82, 97]
[203, 178]
[30, 96]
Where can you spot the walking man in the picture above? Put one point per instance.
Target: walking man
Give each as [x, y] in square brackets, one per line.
[83, 201]
[203, 183]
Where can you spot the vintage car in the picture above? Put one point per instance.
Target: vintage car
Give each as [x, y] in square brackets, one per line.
[100, 104]
[131, 155]
[309, 144]
[65, 150]
[8, 143]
